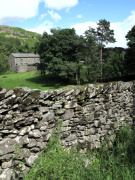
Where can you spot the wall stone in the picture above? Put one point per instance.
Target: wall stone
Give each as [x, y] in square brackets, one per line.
[25, 68]
[87, 115]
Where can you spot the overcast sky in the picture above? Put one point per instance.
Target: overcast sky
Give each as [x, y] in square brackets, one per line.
[41, 15]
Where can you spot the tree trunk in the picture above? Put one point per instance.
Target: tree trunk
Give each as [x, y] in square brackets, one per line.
[78, 76]
[101, 62]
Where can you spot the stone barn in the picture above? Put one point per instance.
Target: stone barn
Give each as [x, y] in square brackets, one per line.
[23, 62]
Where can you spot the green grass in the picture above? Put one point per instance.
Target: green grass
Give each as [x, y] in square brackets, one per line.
[33, 80]
[116, 162]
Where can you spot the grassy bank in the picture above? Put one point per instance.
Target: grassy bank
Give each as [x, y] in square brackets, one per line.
[114, 163]
[33, 80]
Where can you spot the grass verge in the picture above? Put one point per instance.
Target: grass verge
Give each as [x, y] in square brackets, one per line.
[33, 80]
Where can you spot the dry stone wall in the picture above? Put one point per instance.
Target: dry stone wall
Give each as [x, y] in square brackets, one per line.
[87, 116]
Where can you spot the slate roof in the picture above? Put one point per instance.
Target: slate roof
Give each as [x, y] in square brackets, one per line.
[25, 55]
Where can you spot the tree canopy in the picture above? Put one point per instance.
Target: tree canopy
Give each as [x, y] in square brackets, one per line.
[70, 56]
[3, 59]
[61, 52]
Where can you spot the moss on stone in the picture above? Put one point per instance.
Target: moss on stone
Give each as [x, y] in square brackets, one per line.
[35, 94]
[81, 97]
[79, 108]
[2, 96]
[11, 101]
[81, 146]
[18, 91]
[1, 88]
[98, 90]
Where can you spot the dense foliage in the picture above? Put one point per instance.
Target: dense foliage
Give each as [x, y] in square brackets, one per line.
[62, 52]
[68, 55]
[130, 52]
[3, 59]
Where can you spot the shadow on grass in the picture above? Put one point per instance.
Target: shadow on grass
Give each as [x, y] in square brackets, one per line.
[50, 81]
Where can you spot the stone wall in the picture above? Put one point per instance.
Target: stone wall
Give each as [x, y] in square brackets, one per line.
[25, 68]
[21, 68]
[87, 115]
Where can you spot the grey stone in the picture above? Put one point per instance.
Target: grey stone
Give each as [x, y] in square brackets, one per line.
[71, 105]
[65, 123]
[103, 120]
[9, 93]
[3, 111]
[60, 111]
[68, 114]
[75, 120]
[58, 92]
[57, 105]
[89, 131]
[15, 106]
[41, 145]
[35, 149]
[77, 91]
[19, 140]
[24, 130]
[7, 164]
[31, 159]
[35, 133]
[43, 109]
[43, 128]
[8, 116]
[25, 139]
[49, 116]
[48, 103]
[97, 144]
[25, 153]
[93, 138]
[63, 129]
[32, 143]
[6, 174]
[96, 123]
[71, 137]
[7, 145]
[3, 91]
[6, 157]
[69, 92]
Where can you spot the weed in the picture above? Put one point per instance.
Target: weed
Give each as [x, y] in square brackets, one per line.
[17, 170]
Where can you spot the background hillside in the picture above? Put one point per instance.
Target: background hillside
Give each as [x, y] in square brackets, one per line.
[17, 40]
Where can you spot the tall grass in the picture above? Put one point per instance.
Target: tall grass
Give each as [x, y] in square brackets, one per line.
[108, 163]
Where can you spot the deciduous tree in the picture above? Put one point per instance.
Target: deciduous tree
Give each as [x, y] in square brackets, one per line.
[61, 52]
[3, 59]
